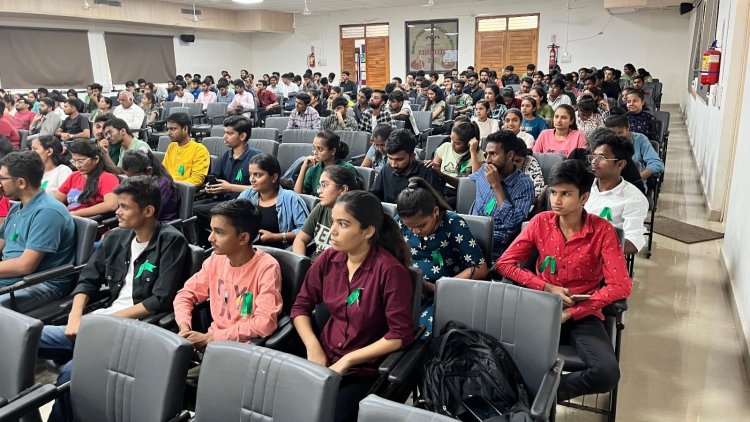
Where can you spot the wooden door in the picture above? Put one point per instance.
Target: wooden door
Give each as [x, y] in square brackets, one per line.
[521, 48]
[378, 62]
[490, 50]
[347, 57]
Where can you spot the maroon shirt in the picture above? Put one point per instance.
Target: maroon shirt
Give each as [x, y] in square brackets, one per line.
[384, 309]
[266, 98]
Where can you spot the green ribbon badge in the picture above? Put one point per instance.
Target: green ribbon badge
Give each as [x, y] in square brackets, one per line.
[354, 296]
[238, 178]
[437, 258]
[14, 236]
[146, 266]
[44, 184]
[181, 170]
[549, 261]
[463, 167]
[247, 304]
[490, 206]
[606, 213]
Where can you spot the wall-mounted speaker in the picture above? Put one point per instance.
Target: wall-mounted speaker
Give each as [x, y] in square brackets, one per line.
[686, 8]
[187, 38]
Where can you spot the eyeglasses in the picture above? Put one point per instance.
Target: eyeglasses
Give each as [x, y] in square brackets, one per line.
[594, 158]
[79, 163]
[323, 185]
[7, 178]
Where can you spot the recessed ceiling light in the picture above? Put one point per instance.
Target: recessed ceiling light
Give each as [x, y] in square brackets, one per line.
[247, 1]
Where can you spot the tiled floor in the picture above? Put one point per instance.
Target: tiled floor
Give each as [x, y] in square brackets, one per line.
[681, 356]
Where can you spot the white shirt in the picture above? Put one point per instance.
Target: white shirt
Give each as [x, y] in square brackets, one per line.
[526, 138]
[186, 98]
[125, 298]
[287, 89]
[487, 127]
[55, 177]
[560, 100]
[628, 207]
[133, 116]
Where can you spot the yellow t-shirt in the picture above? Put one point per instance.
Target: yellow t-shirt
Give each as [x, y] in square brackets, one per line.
[187, 164]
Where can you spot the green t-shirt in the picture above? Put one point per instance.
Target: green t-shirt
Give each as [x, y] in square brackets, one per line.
[318, 225]
[135, 145]
[312, 177]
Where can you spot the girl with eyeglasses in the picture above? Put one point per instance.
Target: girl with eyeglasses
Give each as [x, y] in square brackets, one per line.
[88, 191]
[327, 150]
[334, 181]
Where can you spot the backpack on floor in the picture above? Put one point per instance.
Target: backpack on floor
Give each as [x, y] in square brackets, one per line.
[471, 376]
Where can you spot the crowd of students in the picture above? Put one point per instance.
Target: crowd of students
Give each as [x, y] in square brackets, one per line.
[362, 253]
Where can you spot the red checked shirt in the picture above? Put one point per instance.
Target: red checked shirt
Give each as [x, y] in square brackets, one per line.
[383, 309]
[581, 261]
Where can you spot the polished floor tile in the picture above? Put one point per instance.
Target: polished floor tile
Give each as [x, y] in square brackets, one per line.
[681, 355]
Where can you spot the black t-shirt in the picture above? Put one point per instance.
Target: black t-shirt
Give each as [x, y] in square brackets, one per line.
[612, 89]
[77, 125]
[389, 183]
[269, 220]
[348, 87]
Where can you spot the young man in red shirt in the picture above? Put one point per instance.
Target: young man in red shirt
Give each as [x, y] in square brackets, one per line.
[576, 251]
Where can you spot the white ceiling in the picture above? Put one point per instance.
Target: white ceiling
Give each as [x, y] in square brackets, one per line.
[321, 6]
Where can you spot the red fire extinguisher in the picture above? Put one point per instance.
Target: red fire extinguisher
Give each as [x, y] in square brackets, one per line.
[710, 66]
[553, 55]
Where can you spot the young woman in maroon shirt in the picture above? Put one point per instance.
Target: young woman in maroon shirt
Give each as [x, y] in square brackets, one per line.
[368, 292]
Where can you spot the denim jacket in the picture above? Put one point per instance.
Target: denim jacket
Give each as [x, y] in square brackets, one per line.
[291, 208]
[167, 252]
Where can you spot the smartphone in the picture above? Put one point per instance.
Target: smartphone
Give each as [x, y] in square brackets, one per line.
[478, 409]
[211, 180]
[579, 298]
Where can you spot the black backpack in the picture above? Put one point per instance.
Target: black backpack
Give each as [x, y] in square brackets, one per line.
[472, 369]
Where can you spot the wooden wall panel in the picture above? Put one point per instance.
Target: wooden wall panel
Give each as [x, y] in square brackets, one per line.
[497, 49]
[522, 48]
[378, 66]
[347, 57]
[490, 50]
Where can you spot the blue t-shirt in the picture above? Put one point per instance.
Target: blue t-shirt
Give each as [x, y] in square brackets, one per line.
[534, 126]
[445, 253]
[43, 225]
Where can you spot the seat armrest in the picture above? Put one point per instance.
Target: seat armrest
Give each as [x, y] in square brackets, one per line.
[547, 394]
[32, 401]
[40, 277]
[167, 321]
[280, 336]
[620, 305]
[408, 363]
[155, 318]
[182, 417]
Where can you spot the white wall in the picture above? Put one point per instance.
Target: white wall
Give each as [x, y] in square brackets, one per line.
[211, 52]
[655, 39]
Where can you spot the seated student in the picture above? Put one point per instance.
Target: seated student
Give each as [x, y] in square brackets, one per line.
[612, 197]
[379, 112]
[457, 158]
[38, 233]
[565, 137]
[580, 244]
[588, 118]
[402, 165]
[7, 130]
[186, 160]
[640, 121]
[508, 97]
[487, 125]
[544, 110]
[364, 282]
[282, 211]
[117, 132]
[24, 115]
[528, 164]
[339, 118]
[142, 262]
[137, 163]
[46, 122]
[56, 159]
[5, 148]
[327, 150]
[150, 107]
[436, 105]
[644, 151]
[88, 191]
[74, 126]
[334, 181]
[512, 122]
[241, 283]
[460, 99]
[495, 106]
[441, 242]
[376, 157]
[531, 123]
[303, 116]
[503, 192]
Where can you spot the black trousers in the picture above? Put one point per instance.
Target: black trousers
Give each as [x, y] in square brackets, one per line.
[594, 347]
[351, 391]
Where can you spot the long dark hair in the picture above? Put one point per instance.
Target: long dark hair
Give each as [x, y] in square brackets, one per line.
[89, 149]
[270, 165]
[342, 176]
[60, 154]
[333, 141]
[368, 211]
[419, 199]
[438, 97]
[542, 94]
[571, 113]
[140, 161]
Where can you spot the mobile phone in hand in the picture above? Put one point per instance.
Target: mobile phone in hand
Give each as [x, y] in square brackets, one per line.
[211, 180]
[579, 298]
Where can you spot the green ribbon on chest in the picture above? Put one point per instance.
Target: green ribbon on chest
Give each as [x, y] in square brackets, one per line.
[549, 261]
